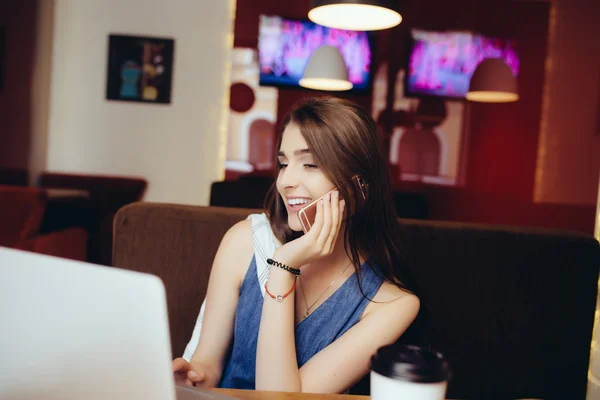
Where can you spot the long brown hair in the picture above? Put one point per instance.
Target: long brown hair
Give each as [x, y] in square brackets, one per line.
[344, 141]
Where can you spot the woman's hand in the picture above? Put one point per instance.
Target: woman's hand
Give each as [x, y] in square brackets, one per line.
[188, 374]
[320, 240]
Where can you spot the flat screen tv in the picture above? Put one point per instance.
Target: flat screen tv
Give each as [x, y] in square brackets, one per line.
[441, 63]
[285, 45]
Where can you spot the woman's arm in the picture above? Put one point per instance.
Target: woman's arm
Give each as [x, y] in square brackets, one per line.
[345, 361]
[341, 364]
[228, 270]
[276, 364]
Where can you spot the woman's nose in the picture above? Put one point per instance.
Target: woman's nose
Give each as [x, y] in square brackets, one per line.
[289, 177]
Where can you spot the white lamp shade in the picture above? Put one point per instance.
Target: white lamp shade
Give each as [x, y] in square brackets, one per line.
[355, 15]
[493, 82]
[326, 70]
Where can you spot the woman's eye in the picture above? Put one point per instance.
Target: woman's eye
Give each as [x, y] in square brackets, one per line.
[312, 166]
[282, 165]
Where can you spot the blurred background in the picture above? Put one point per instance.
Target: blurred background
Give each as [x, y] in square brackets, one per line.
[103, 103]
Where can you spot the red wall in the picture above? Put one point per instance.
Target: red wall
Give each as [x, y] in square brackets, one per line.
[502, 148]
[568, 169]
[19, 21]
[502, 143]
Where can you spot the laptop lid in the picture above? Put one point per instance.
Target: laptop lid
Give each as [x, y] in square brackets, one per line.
[72, 330]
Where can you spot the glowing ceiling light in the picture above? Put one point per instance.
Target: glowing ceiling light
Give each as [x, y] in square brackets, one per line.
[356, 15]
[493, 82]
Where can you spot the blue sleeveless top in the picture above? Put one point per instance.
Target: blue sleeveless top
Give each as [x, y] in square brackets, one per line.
[329, 321]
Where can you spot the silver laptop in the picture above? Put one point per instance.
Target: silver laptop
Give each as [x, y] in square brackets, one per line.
[73, 330]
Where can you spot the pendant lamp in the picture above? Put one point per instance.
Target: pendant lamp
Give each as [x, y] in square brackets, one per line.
[326, 70]
[355, 15]
[493, 82]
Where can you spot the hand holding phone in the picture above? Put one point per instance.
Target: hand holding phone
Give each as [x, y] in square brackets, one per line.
[308, 213]
[321, 239]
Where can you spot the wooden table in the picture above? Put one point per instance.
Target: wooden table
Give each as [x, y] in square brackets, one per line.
[260, 395]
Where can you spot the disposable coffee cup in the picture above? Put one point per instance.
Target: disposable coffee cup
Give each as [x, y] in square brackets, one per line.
[408, 372]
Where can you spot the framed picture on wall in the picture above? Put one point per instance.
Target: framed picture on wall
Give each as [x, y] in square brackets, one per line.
[140, 69]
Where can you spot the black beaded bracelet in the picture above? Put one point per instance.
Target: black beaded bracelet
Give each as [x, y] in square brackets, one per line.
[294, 271]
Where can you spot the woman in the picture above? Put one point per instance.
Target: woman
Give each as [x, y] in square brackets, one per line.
[317, 332]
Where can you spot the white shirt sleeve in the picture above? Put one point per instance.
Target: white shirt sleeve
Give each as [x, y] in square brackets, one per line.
[265, 244]
[191, 346]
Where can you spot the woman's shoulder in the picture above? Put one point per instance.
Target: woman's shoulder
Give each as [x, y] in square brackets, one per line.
[244, 229]
[242, 239]
[389, 292]
[236, 249]
[240, 233]
[392, 299]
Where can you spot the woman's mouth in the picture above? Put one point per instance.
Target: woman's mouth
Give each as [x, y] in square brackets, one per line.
[295, 204]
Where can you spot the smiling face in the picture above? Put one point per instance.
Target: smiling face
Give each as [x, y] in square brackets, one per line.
[300, 180]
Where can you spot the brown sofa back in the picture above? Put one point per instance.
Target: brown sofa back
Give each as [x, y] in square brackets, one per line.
[178, 244]
[512, 309]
